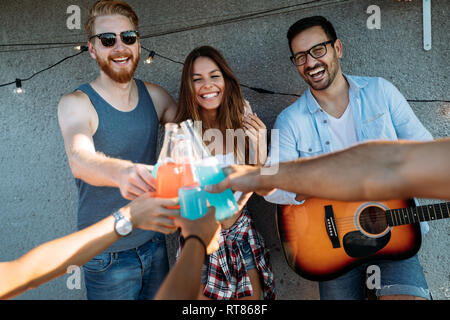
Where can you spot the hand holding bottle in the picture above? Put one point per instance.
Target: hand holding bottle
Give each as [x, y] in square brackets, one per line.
[135, 180]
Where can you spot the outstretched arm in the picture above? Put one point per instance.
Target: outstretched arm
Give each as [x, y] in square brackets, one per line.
[183, 280]
[78, 122]
[369, 171]
[373, 171]
[51, 259]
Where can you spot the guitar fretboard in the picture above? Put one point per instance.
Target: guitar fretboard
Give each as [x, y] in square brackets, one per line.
[397, 217]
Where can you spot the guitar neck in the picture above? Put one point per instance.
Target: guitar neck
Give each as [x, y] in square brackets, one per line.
[397, 217]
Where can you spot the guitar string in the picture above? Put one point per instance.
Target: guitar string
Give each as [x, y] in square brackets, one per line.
[345, 224]
[378, 217]
[382, 218]
[349, 222]
[398, 217]
[401, 214]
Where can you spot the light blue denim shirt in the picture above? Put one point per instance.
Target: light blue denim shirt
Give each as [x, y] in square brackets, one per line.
[380, 112]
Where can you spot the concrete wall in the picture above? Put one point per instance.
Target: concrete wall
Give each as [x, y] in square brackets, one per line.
[37, 191]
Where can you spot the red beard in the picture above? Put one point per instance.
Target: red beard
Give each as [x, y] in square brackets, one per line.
[122, 76]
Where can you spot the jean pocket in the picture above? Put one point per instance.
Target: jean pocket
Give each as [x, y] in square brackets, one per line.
[246, 249]
[100, 263]
[247, 255]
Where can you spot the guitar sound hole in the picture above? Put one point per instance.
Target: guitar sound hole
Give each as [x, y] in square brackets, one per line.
[373, 220]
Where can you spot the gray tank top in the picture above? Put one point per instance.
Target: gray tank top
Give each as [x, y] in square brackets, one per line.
[125, 135]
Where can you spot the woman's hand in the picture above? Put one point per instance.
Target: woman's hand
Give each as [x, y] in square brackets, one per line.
[256, 130]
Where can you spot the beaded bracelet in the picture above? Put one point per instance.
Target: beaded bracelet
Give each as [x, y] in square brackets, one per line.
[196, 237]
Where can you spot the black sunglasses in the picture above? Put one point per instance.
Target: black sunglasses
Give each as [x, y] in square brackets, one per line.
[108, 39]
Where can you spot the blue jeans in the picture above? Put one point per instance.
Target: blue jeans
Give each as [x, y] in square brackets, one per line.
[397, 277]
[134, 274]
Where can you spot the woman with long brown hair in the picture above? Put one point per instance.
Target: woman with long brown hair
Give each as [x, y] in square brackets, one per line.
[211, 93]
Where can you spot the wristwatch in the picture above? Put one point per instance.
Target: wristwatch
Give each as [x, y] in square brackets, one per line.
[122, 225]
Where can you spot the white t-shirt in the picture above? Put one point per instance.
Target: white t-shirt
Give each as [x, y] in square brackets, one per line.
[342, 130]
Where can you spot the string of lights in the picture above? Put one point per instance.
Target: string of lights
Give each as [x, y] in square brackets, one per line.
[149, 60]
[18, 81]
[152, 53]
[82, 48]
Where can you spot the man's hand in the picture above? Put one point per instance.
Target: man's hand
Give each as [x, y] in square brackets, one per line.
[206, 227]
[241, 178]
[149, 213]
[135, 180]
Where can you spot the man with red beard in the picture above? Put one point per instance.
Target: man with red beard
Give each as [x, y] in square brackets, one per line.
[110, 129]
[335, 112]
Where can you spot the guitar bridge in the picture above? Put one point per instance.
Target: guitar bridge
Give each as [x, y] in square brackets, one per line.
[330, 225]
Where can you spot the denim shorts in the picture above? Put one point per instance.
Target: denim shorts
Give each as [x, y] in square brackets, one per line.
[247, 254]
[396, 277]
[134, 274]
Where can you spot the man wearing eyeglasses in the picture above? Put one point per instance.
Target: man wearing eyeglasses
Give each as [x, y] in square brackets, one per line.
[110, 129]
[336, 112]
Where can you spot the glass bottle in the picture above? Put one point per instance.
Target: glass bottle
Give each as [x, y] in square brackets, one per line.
[193, 202]
[168, 173]
[208, 170]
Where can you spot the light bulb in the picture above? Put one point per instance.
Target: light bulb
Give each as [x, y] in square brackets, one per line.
[81, 48]
[150, 57]
[18, 89]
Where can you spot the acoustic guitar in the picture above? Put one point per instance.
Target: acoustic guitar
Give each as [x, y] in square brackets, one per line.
[323, 239]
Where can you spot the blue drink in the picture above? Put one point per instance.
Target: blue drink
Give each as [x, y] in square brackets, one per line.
[155, 169]
[192, 202]
[209, 172]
